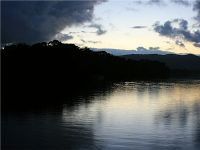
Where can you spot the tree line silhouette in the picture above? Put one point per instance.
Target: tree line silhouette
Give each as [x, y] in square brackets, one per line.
[54, 67]
[181, 66]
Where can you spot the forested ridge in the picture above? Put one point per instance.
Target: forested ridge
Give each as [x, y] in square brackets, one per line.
[55, 68]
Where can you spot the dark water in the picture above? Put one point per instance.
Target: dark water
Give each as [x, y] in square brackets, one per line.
[123, 116]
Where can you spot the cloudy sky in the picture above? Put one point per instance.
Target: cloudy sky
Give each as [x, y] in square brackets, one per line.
[169, 25]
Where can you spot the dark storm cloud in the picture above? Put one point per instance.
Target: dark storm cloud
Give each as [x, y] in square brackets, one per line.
[168, 30]
[183, 24]
[197, 9]
[33, 21]
[139, 27]
[99, 28]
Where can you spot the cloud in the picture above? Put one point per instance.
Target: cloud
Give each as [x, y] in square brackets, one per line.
[34, 21]
[87, 32]
[139, 50]
[181, 32]
[163, 2]
[73, 32]
[157, 2]
[196, 26]
[150, 2]
[93, 42]
[197, 8]
[139, 27]
[151, 50]
[99, 28]
[180, 43]
[62, 37]
[181, 2]
[196, 44]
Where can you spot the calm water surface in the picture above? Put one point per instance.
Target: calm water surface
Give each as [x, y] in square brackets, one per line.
[128, 115]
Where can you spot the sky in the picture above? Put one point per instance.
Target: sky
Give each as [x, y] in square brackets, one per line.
[168, 25]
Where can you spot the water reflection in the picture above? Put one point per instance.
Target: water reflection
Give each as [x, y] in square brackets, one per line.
[127, 115]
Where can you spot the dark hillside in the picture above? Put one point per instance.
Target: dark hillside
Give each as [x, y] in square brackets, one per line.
[181, 65]
[54, 69]
[189, 62]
